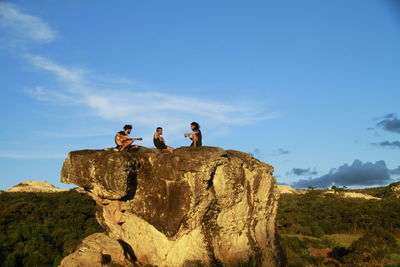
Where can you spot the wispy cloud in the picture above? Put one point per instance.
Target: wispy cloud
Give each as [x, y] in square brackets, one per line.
[280, 151]
[302, 172]
[256, 153]
[52, 96]
[121, 100]
[72, 76]
[76, 134]
[147, 108]
[21, 27]
[390, 144]
[390, 123]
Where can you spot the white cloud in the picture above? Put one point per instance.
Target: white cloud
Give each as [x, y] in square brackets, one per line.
[149, 108]
[97, 132]
[68, 75]
[52, 96]
[23, 26]
[120, 100]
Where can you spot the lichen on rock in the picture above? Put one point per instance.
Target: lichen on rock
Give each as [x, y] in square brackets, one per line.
[193, 207]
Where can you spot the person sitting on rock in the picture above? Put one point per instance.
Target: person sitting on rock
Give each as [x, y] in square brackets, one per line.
[195, 136]
[123, 141]
[159, 141]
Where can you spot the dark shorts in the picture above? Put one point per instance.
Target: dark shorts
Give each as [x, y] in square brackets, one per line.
[161, 146]
[199, 144]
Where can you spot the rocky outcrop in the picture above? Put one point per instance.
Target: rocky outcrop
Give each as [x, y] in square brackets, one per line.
[36, 187]
[99, 250]
[192, 207]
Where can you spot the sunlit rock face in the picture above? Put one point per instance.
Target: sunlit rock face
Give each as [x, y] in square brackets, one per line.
[99, 250]
[192, 207]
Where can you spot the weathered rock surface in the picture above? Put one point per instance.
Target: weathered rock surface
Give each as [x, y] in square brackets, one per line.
[99, 250]
[35, 186]
[193, 207]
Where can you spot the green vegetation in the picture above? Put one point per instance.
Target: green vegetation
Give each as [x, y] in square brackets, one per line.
[344, 240]
[374, 246]
[39, 229]
[381, 192]
[298, 249]
[326, 230]
[314, 214]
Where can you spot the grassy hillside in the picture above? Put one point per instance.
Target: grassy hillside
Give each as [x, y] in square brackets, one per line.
[327, 230]
[39, 229]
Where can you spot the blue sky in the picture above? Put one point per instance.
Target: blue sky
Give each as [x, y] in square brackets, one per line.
[310, 87]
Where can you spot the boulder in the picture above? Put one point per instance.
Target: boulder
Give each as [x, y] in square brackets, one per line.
[99, 250]
[192, 207]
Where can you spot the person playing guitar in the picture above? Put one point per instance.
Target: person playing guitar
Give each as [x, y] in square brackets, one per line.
[123, 141]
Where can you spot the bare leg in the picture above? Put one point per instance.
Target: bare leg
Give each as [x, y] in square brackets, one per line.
[170, 148]
[126, 144]
[195, 139]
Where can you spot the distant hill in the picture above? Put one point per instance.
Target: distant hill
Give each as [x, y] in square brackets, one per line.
[344, 193]
[351, 194]
[328, 229]
[35, 186]
[287, 189]
[39, 187]
[390, 191]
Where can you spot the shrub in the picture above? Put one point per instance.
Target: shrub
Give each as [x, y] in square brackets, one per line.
[375, 245]
[39, 229]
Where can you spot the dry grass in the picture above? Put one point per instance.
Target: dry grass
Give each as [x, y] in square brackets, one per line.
[344, 240]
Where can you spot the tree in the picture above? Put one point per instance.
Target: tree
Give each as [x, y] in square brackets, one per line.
[334, 188]
[38, 229]
[375, 245]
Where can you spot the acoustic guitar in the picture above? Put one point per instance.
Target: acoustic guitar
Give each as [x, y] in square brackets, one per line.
[120, 140]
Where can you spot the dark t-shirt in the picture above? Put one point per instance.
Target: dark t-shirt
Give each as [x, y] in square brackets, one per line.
[121, 133]
[199, 139]
[158, 143]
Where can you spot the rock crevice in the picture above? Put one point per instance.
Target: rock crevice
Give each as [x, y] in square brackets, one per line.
[193, 207]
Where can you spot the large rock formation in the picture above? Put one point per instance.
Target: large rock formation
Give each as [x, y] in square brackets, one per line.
[192, 207]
